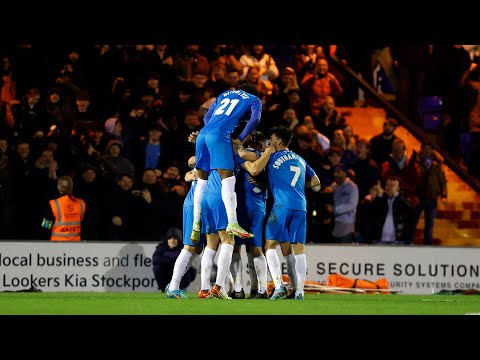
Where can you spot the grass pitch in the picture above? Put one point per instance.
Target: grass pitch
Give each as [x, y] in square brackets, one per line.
[95, 303]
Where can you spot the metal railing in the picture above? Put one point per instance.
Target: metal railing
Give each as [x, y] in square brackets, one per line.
[414, 129]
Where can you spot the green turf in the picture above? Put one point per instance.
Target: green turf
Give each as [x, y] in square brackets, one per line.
[72, 303]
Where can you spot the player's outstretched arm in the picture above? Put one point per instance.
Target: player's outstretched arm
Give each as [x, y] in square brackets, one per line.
[254, 120]
[244, 154]
[254, 168]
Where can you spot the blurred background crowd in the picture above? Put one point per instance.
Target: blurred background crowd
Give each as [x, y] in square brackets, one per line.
[116, 118]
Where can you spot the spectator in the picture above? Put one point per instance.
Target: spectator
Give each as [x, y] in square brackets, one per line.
[285, 83]
[175, 189]
[345, 201]
[432, 185]
[405, 168]
[164, 257]
[201, 90]
[323, 200]
[339, 140]
[153, 151]
[350, 137]
[97, 142]
[91, 189]
[305, 58]
[233, 79]
[308, 145]
[365, 169]
[31, 115]
[256, 56]
[150, 208]
[136, 128]
[190, 61]
[228, 56]
[115, 163]
[114, 129]
[218, 78]
[55, 107]
[264, 88]
[118, 209]
[81, 117]
[179, 139]
[22, 164]
[318, 83]
[381, 144]
[320, 138]
[384, 73]
[389, 214]
[329, 119]
[289, 119]
[44, 175]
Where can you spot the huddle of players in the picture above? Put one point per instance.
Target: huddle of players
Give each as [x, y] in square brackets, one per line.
[256, 165]
[223, 169]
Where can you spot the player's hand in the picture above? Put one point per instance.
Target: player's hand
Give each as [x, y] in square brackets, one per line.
[236, 141]
[237, 148]
[251, 180]
[271, 148]
[192, 175]
[192, 138]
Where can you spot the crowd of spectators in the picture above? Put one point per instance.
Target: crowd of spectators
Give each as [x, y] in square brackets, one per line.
[116, 118]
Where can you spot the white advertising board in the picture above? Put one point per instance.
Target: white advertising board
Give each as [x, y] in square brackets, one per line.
[75, 266]
[113, 266]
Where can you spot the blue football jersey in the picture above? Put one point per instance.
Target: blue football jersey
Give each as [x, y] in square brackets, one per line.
[249, 195]
[228, 110]
[287, 172]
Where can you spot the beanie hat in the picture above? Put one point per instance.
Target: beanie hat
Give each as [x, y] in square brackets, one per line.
[114, 142]
[110, 124]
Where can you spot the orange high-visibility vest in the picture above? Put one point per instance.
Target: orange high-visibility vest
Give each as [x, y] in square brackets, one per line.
[68, 214]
